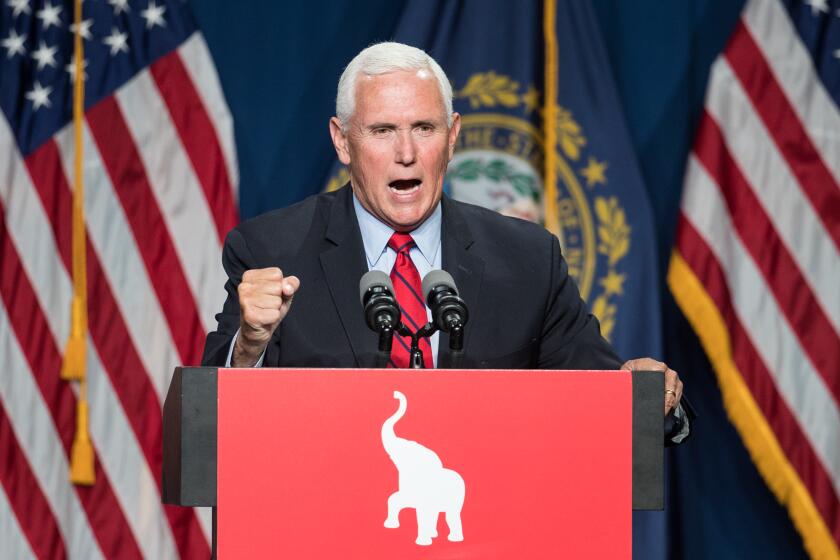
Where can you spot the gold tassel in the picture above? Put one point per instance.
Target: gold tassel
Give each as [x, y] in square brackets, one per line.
[81, 454]
[75, 356]
[75, 353]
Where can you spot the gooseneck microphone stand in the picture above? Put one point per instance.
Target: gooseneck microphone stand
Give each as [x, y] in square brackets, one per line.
[415, 354]
[386, 339]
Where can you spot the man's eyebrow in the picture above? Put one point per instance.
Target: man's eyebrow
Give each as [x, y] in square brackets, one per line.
[375, 125]
[415, 124]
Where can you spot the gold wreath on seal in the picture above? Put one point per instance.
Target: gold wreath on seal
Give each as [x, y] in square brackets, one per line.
[489, 89]
[569, 134]
[613, 243]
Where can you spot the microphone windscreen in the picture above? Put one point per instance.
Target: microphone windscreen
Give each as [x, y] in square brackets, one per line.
[374, 278]
[436, 278]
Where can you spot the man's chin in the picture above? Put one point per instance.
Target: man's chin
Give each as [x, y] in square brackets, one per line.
[405, 224]
[404, 227]
[407, 216]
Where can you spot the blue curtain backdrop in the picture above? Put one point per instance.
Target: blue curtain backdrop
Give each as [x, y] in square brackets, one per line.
[279, 63]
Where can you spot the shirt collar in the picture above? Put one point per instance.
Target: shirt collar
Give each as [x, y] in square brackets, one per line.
[375, 234]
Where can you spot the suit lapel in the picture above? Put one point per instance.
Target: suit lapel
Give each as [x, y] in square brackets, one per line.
[466, 267]
[343, 263]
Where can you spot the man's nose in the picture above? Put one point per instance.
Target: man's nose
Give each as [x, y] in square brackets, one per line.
[405, 152]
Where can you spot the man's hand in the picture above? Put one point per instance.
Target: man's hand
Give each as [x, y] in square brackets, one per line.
[673, 385]
[265, 297]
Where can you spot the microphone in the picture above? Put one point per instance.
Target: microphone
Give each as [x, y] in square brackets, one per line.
[382, 313]
[449, 312]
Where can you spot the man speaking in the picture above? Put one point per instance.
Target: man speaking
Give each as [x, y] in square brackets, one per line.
[292, 293]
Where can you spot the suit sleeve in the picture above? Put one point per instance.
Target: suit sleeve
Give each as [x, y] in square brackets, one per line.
[236, 259]
[571, 336]
[571, 339]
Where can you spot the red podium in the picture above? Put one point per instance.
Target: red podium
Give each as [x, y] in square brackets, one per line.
[373, 464]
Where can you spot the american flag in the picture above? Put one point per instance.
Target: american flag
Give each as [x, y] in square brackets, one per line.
[160, 193]
[756, 267]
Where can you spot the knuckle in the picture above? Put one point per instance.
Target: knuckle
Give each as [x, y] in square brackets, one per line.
[249, 316]
[272, 316]
[266, 316]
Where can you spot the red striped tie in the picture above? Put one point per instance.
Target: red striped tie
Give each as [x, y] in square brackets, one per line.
[408, 291]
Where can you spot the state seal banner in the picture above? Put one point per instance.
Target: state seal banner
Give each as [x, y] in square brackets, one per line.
[756, 261]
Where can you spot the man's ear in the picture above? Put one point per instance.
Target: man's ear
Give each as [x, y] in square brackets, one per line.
[339, 141]
[453, 133]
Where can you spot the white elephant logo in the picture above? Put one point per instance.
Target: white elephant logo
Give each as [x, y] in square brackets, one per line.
[424, 484]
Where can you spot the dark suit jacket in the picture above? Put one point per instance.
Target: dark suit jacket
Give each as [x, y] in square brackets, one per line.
[525, 311]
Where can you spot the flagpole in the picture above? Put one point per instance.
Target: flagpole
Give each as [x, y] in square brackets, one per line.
[552, 222]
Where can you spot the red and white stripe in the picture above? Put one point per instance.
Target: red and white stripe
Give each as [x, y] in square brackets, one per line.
[760, 229]
[161, 192]
[11, 534]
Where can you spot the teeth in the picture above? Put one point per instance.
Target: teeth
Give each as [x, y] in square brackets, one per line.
[405, 186]
[404, 191]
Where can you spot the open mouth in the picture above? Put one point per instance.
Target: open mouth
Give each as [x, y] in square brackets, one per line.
[405, 186]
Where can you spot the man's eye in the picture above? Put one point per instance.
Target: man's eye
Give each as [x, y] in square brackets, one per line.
[380, 131]
[425, 129]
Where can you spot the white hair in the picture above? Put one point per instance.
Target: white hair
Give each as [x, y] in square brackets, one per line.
[383, 58]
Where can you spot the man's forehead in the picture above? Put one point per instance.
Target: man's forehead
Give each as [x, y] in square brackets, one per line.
[398, 96]
[422, 73]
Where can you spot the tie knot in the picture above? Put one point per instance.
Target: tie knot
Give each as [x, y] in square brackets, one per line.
[401, 242]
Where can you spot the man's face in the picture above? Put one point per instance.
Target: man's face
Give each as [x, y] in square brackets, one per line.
[397, 145]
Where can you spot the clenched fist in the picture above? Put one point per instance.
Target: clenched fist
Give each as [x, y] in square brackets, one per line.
[265, 296]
